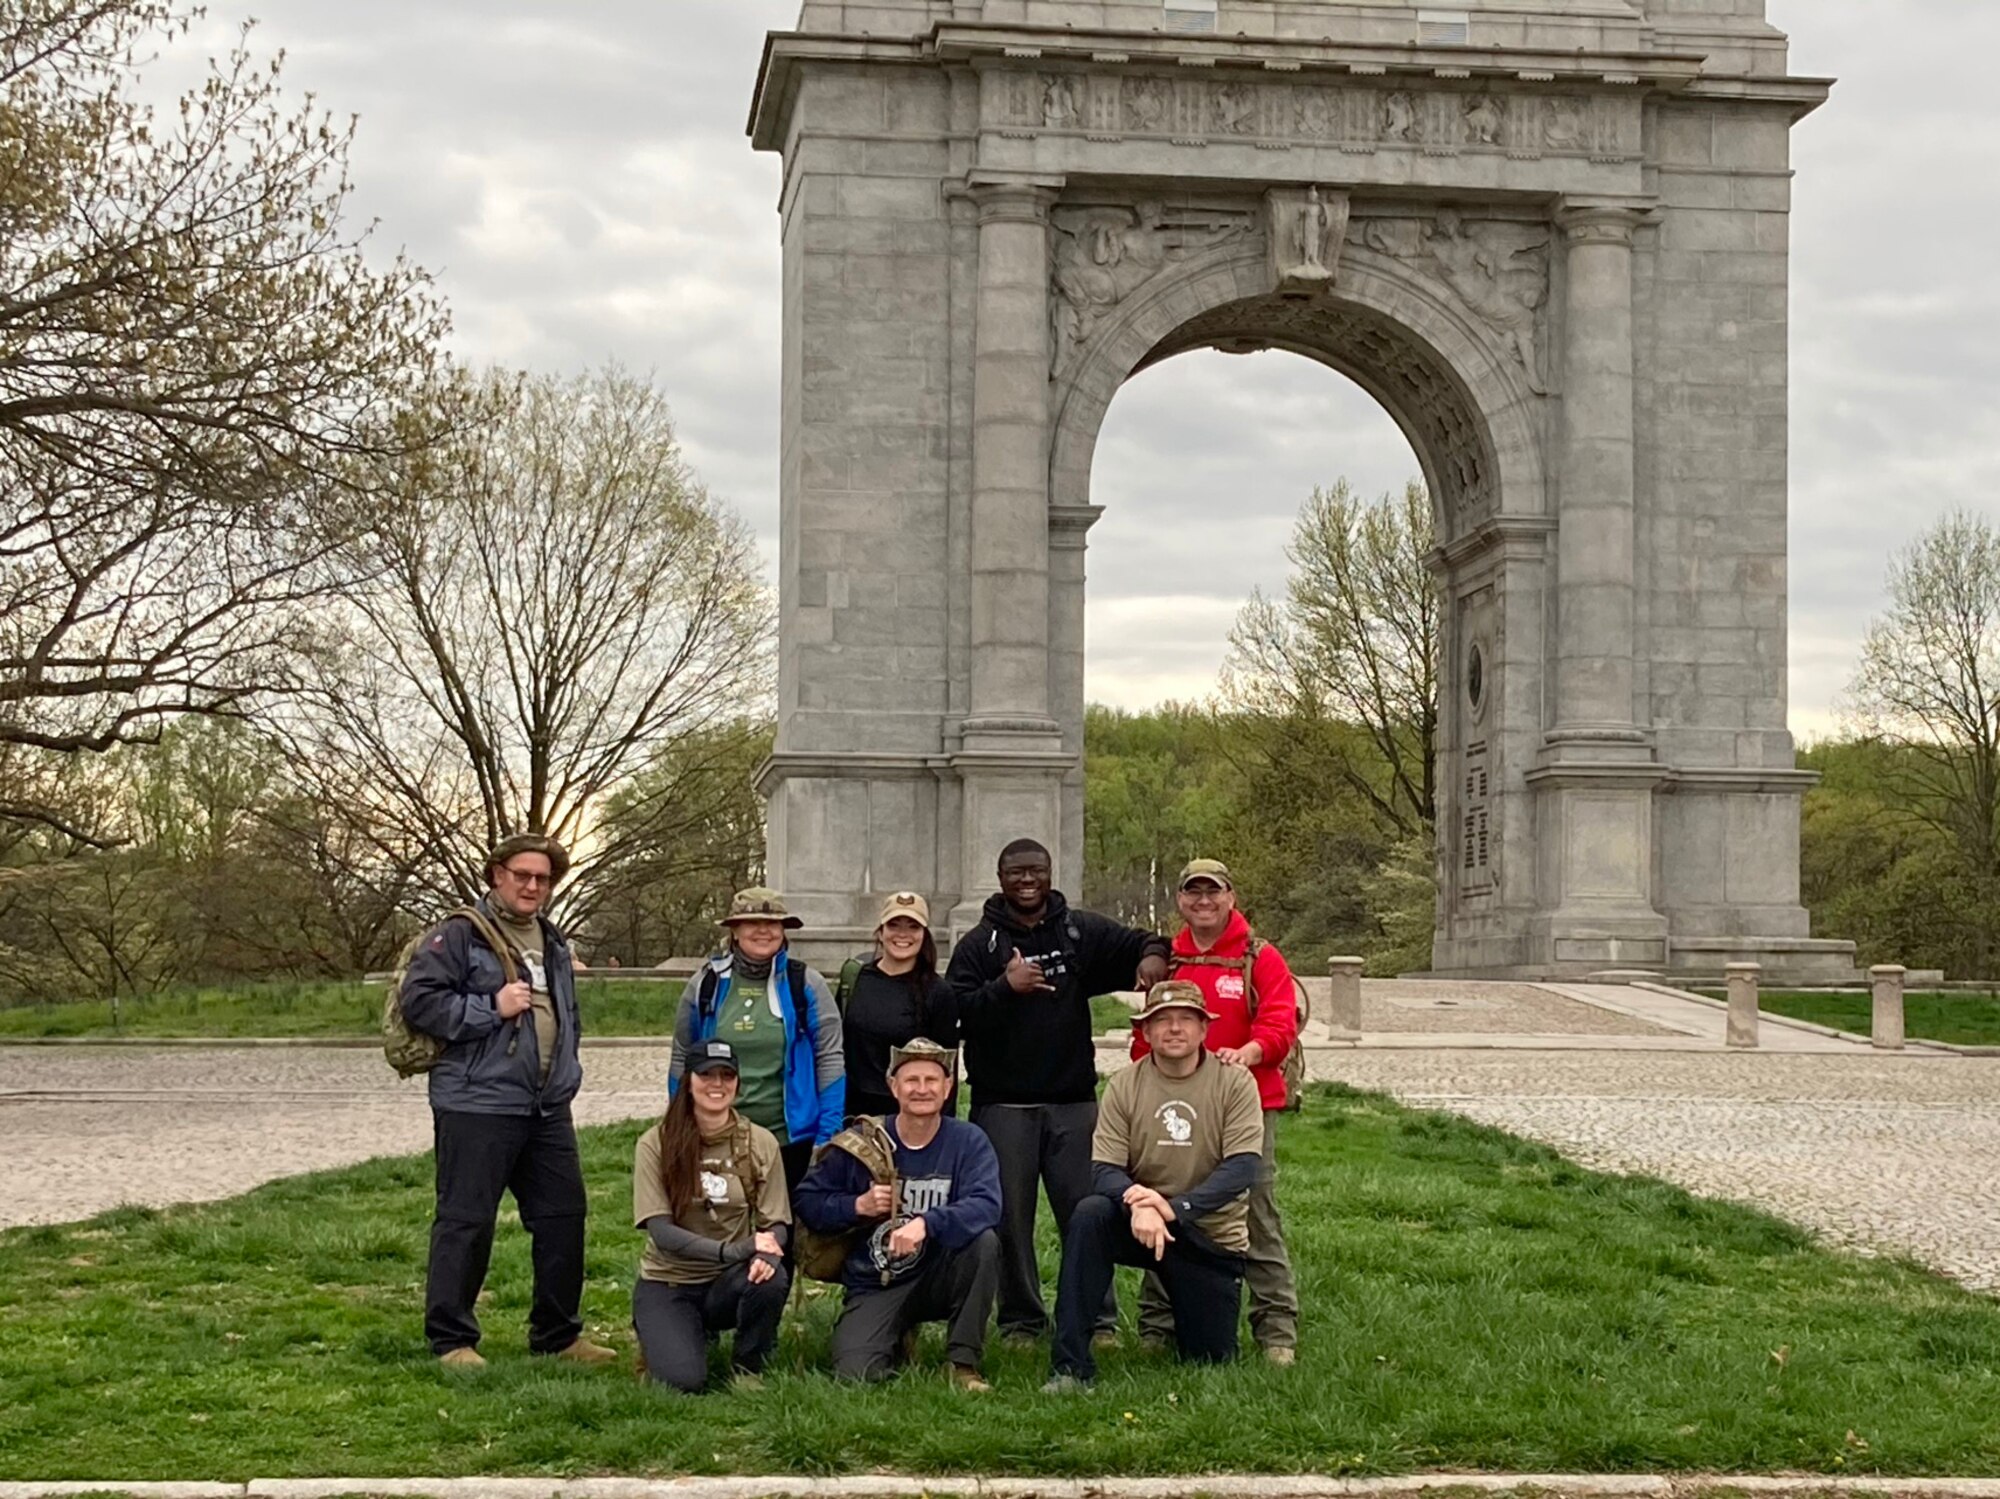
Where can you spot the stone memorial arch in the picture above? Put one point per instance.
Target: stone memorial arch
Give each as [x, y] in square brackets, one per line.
[1548, 236]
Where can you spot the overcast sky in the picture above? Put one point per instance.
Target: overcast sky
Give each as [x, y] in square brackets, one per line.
[578, 177]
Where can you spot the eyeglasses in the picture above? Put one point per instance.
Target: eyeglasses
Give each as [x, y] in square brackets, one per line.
[527, 879]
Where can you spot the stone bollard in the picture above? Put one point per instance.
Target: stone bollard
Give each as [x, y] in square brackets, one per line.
[1344, 1014]
[1742, 1003]
[1887, 1029]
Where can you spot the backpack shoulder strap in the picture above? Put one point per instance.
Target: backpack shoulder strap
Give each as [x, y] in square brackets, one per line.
[802, 1000]
[743, 1146]
[1257, 946]
[843, 991]
[490, 935]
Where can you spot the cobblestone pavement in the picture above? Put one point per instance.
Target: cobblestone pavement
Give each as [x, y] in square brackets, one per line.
[1884, 1153]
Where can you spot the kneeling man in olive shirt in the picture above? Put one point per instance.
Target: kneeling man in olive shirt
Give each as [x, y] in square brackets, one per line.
[1178, 1141]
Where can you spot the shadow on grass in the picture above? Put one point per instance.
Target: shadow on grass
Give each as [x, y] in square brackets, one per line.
[1471, 1301]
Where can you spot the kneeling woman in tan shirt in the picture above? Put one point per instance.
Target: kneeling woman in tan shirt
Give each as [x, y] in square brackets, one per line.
[708, 1188]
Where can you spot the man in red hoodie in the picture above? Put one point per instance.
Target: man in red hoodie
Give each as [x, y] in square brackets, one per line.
[1213, 951]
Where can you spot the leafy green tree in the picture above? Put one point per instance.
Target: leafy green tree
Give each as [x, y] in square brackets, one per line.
[1929, 684]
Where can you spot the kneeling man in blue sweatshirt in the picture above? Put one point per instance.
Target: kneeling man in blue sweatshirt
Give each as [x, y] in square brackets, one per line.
[932, 1254]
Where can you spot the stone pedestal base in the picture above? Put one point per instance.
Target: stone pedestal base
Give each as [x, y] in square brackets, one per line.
[1594, 869]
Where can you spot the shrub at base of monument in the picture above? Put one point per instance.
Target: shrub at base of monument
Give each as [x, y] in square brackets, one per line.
[1471, 1302]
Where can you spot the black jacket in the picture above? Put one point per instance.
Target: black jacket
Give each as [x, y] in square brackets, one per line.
[490, 1065]
[884, 1011]
[1039, 1047]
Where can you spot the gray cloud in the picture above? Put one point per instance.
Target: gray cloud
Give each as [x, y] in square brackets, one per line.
[578, 176]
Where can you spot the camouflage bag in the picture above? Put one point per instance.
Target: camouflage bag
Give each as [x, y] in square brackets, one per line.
[413, 1052]
[1291, 1066]
[822, 1256]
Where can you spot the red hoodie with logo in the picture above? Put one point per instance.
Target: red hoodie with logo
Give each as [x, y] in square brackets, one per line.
[1276, 1027]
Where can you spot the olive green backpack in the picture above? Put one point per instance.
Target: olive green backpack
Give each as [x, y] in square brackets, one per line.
[821, 1256]
[412, 1052]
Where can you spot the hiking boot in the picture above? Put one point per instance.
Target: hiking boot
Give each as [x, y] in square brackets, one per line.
[583, 1351]
[743, 1382]
[965, 1377]
[1282, 1356]
[1155, 1344]
[1104, 1338]
[1019, 1338]
[1064, 1384]
[462, 1358]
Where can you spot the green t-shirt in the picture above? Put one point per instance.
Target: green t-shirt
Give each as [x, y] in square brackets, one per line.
[750, 1022]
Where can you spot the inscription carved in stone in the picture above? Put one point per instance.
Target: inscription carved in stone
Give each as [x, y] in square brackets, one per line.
[1103, 255]
[1499, 271]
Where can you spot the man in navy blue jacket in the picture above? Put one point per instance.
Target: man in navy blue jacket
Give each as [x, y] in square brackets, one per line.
[500, 1097]
[928, 1251]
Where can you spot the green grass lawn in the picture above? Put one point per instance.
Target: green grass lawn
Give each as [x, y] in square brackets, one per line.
[321, 1009]
[1472, 1302]
[1963, 1019]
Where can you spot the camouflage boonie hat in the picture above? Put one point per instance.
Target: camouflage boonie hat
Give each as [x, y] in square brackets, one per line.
[760, 904]
[923, 1049]
[529, 843]
[1172, 994]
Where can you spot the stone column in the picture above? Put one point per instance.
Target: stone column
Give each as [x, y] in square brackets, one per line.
[1009, 581]
[1595, 593]
[1886, 1019]
[1344, 1012]
[1069, 532]
[1742, 1026]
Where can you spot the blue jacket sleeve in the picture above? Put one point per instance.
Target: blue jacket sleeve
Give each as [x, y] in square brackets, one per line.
[433, 996]
[824, 1201]
[975, 1201]
[829, 1057]
[684, 1028]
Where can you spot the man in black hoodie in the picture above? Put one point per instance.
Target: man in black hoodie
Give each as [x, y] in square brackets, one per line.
[1024, 978]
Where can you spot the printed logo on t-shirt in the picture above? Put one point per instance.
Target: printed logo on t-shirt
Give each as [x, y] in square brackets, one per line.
[714, 1187]
[1177, 1117]
[922, 1193]
[537, 974]
[1229, 986]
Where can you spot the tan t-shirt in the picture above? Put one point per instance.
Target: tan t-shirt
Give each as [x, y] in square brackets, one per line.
[527, 936]
[721, 1210]
[1170, 1133]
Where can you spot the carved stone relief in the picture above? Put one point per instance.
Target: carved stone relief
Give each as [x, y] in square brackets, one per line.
[1351, 117]
[1103, 255]
[1498, 271]
[1306, 229]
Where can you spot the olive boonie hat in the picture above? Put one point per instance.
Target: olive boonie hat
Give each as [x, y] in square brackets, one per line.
[923, 1049]
[529, 843]
[759, 904]
[710, 1055]
[1173, 994]
[904, 903]
[1205, 869]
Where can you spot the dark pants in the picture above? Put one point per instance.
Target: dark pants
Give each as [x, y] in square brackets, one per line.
[675, 1324]
[478, 1157]
[956, 1289]
[1203, 1283]
[1038, 1145]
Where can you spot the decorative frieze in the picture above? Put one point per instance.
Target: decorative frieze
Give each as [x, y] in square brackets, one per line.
[1498, 270]
[1194, 110]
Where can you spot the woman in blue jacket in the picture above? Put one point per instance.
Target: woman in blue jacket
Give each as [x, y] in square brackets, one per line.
[780, 1018]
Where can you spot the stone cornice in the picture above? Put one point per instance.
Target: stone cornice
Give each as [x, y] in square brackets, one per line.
[1517, 535]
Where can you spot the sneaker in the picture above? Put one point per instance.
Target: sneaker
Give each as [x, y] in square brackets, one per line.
[1103, 1339]
[965, 1377]
[1280, 1355]
[1064, 1384]
[462, 1358]
[582, 1351]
